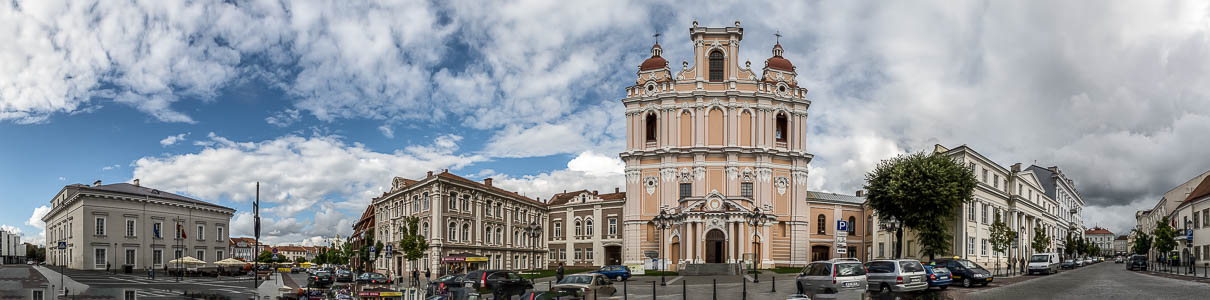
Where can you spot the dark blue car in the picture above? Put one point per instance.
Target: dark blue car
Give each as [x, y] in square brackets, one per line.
[616, 273]
[938, 276]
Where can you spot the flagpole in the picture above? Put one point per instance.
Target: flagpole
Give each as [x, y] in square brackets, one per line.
[256, 246]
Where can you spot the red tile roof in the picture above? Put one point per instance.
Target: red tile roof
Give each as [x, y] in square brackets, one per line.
[1097, 231]
[654, 62]
[1202, 190]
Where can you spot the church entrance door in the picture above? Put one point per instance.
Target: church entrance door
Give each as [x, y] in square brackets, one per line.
[716, 251]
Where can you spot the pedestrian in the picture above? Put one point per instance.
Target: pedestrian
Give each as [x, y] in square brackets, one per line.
[106, 267]
[428, 274]
[415, 277]
[559, 273]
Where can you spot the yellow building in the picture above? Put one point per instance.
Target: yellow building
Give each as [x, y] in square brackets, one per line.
[710, 143]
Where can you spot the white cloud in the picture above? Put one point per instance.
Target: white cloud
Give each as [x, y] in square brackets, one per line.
[110, 167]
[173, 139]
[35, 219]
[284, 118]
[10, 229]
[588, 170]
[387, 131]
[61, 178]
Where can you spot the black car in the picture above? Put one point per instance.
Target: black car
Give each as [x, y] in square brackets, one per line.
[965, 272]
[442, 285]
[375, 278]
[344, 276]
[321, 279]
[1137, 262]
[500, 283]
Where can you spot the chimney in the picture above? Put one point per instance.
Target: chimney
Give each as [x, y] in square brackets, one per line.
[136, 182]
[487, 181]
[594, 192]
[1016, 167]
[860, 193]
[1054, 169]
[430, 174]
[96, 183]
[617, 190]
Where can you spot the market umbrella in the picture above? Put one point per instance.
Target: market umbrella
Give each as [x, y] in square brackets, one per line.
[188, 260]
[230, 262]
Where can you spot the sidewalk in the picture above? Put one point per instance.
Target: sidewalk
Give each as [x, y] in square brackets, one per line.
[53, 277]
[1180, 272]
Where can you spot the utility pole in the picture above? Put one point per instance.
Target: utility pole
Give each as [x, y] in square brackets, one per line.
[256, 245]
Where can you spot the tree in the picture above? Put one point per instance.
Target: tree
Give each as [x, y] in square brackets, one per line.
[300, 259]
[412, 244]
[1040, 240]
[917, 188]
[1165, 237]
[1142, 243]
[1001, 237]
[1069, 245]
[265, 257]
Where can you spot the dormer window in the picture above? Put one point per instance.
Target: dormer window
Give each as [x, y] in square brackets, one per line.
[716, 66]
[780, 134]
[651, 125]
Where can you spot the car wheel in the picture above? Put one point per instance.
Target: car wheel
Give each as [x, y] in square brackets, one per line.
[966, 282]
[944, 287]
[983, 284]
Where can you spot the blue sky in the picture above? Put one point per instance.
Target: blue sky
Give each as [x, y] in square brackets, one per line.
[325, 101]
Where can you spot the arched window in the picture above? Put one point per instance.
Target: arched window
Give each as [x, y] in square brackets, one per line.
[716, 66]
[400, 232]
[426, 201]
[453, 201]
[466, 233]
[869, 229]
[453, 232]
[415, 204]
[588, 227]
[424, 232]
[821, 224]
[498, 210]
[500, 235]
[852, 226]
[579, 228]
[487, 239]
[651, 123]
[487, 208]
[781, 132]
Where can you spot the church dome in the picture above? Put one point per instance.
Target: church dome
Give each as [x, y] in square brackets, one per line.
[655, 61]
[777, 62]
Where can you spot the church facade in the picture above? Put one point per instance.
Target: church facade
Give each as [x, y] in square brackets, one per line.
[708, 146]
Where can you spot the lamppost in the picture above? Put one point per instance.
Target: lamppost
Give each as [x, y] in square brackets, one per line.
[757, 218]
[890, 225]
[534, 231]
[1188, 243]
[661, 222]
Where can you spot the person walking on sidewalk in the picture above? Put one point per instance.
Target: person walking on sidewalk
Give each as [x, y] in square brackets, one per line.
[415, 277]
[559, 273]
[428, 275]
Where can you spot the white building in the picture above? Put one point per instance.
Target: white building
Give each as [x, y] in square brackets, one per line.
[1194, 213]
[12, 251]
[124, 224]
[1167, 207]
[1102, 238]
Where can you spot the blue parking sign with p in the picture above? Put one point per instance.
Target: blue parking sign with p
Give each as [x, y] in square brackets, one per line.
[842, 225]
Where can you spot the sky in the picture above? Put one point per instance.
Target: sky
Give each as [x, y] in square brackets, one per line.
[323, 102]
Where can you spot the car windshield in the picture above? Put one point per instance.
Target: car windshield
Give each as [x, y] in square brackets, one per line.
[321, 274]
[940, 270]
[1040, 258]
[446, 277]
[377, 276]
[577, 279]
[968, 264]
[911, 266]
[850, 269]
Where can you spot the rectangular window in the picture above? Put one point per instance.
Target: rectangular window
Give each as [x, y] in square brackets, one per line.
[178, 254]
[970, 245]
[563, 254]
[100, 258]
[970, 212]
[996, 181]
[201, 255]
[220, 236]
[37, 295]
[558, 229]
[130, 228]
[218, 255]
[128, 295]
[984, 175]
[100, 226]
[579, 254]
[613, 226]
[745, 189]
[984, 249]
[158, 230]
[130, 257]
[588, 253]
[157, 257]
[201, 232]
[686, 190]
[984, 213]
[881, 249]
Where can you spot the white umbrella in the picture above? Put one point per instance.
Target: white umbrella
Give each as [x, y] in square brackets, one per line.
[188, 260]
[231, 262]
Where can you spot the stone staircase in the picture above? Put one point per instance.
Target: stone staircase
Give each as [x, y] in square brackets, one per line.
[709, 269]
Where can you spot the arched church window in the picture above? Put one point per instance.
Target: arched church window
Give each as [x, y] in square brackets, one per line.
[852, 226]
[716, 66]
[821, 224]
[780, 134]
[651, 127]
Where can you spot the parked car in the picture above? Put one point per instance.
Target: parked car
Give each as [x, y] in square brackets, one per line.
[371, 277]
[295, 270]
[1137, 262]
[1043, 263]
[344, 276]
[901, 275]
[965, 272]
[1068, 264]
[321, 279]
[845, 277]
[1118, 260]
[938, 276]
[442, 285]
[500, 283]
[617, 273]
[585, 285]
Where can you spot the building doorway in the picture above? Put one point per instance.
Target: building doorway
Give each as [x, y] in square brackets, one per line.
[716, 251]
[613, 255]
[820, 253]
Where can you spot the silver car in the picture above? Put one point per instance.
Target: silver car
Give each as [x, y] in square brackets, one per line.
[844, 277]
[900, 275]
[590, 285]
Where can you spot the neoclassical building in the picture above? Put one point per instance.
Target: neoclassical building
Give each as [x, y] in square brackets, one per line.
[585, 228]
[707, 144]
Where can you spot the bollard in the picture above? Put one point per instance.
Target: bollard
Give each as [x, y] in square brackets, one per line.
[744, 292]
[684, 292]
[773, 280]
[550, 285]
[594, 294]
[653, 289]
[625, 291]
[714, 283]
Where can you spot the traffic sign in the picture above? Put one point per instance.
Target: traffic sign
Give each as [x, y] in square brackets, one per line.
[372, 250]
[62, 245]
[842, 225]
[274, 250]
[841, 248]
[840, 239]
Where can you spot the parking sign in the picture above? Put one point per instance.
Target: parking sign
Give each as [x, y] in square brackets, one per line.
[842, 225]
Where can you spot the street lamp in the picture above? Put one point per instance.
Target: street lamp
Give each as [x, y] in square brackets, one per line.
[757, 218]
[661, 222]
[534, 231]
[1188, 243]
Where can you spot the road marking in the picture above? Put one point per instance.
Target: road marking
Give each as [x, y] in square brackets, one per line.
[675, 279]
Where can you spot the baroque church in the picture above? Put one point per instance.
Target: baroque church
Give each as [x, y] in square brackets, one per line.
[716, 153]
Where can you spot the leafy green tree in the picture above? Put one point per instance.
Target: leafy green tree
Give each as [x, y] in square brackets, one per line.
[1165, 237]
[917, 188]
[1040, 240]
[300, 259]
[1142, 243]
[1069, 245]
[412, 244]
[1001, 237]
[264, 257]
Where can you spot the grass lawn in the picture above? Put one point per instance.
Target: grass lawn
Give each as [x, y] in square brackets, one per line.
[657, 273]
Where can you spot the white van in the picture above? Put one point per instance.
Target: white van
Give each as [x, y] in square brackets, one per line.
[1044, 263]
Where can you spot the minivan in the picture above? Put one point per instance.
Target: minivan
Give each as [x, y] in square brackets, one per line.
[1044, 263]
[843, 276]
[899, 275]
[965, 272]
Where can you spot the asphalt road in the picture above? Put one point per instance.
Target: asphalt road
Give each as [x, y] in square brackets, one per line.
[1101, 281]
[101, 283]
